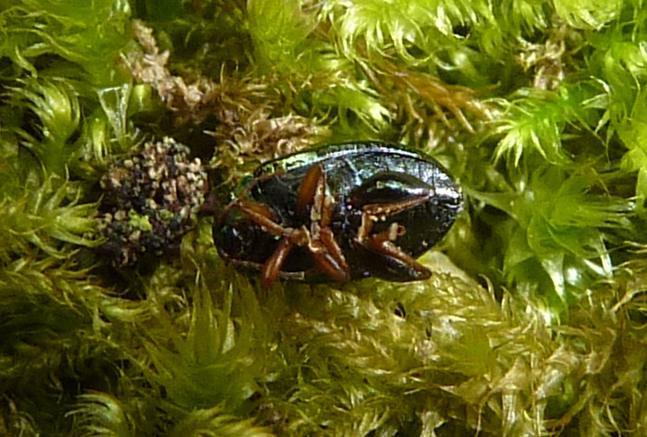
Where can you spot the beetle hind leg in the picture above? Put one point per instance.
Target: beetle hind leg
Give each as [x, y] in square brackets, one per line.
[398, 265]
[386, 195]
[386, 260]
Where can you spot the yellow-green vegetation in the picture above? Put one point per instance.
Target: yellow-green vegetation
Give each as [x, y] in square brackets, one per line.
[533, 322]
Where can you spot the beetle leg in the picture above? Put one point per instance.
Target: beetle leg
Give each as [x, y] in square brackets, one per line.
[327, 263]
[262, 216]
[319, 239]
[365, 228]
[377, 211]
[256, 208]
[400, 264]
[387, 209]
[313, 191]
[308, 189]
[328, 256]
[326, 253]
[272, 267]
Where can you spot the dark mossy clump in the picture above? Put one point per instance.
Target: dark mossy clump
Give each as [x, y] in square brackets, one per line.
[151, 199]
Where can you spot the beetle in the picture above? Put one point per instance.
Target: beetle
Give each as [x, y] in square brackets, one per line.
[340, 212]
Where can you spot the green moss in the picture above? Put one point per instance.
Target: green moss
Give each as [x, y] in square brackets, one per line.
[532, 325]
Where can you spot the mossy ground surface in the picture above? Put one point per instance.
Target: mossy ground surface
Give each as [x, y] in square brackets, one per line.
[534, 321]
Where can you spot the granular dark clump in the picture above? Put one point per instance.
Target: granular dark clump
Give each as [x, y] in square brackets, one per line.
[150, 201]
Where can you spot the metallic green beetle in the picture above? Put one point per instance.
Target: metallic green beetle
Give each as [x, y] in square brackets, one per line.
[338, 213]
